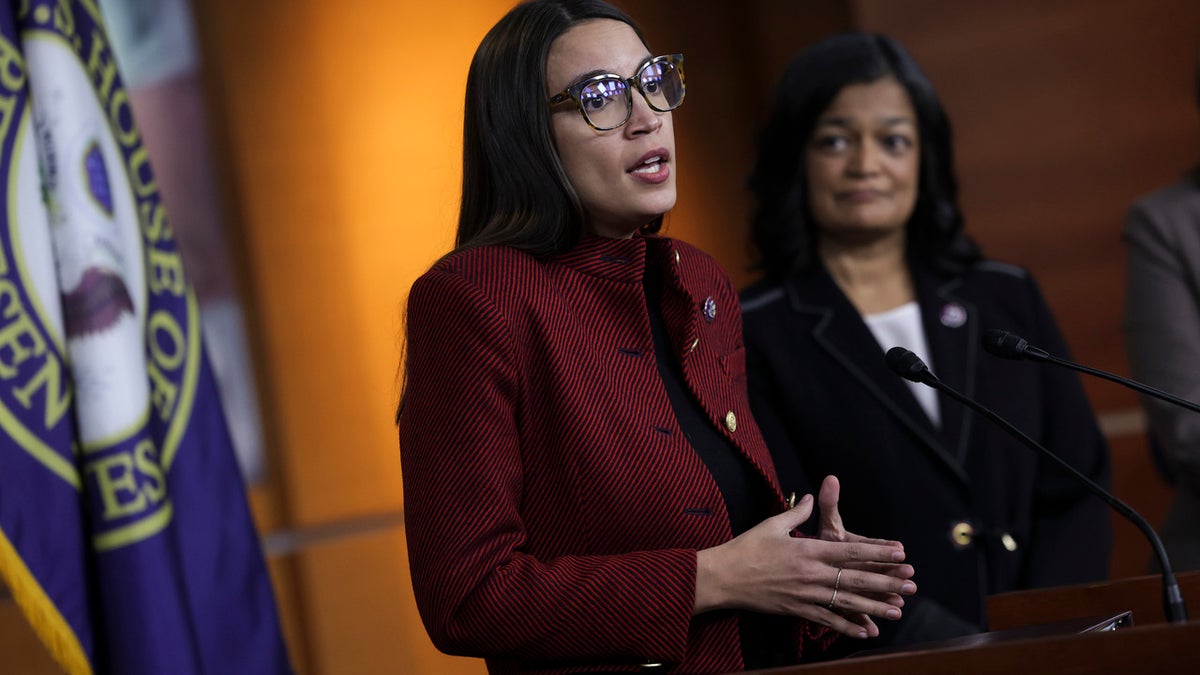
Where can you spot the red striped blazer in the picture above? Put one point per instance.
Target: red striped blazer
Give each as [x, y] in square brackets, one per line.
[553, 506]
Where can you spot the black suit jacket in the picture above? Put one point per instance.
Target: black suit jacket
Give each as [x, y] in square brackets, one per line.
[977, 511]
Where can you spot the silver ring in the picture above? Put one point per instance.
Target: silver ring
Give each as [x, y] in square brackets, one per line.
[836, 582]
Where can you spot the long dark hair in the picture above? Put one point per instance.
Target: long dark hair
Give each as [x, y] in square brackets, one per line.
[783, 227]
[515, 191]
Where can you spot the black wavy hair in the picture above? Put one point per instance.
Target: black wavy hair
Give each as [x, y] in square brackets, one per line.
[783, 228]
[515, 191]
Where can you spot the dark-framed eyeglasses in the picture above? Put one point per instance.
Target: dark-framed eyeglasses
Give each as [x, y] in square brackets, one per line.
[606, 100]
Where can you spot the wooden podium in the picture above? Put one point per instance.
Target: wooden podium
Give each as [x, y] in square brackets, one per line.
[1149, 646]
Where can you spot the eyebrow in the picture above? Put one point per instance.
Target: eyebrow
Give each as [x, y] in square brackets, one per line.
[846, 121]
[589, 74]
[600, 71]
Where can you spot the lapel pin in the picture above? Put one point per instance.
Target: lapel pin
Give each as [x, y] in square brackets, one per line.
[710, 309]
[954, 315]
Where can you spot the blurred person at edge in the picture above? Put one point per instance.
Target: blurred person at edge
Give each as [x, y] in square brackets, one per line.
[1162, 339]
[585, 489]
[860, 235]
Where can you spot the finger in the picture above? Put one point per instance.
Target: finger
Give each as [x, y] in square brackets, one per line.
[868, 581]
[853, 554]
[795, 516]
[845, 595]
[888, 598]
[864, 621]
[895, 570]
[831, 519]
[856, 594]
[861, 592]
[893, 599]
[839, 623]
[854, 603]
[859, 539]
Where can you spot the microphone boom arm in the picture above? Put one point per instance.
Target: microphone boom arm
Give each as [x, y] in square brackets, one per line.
[910, 366]
[1132, 384]
[1173, 605]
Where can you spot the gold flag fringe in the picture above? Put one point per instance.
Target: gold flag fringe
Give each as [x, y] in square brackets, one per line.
[47, 622]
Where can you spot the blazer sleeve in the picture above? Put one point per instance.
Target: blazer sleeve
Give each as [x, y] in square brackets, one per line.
[478, 590]
[1072, 537]
[1162, 335]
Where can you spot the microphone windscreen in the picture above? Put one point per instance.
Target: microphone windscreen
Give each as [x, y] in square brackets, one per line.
[1004, 344]
[905, 363]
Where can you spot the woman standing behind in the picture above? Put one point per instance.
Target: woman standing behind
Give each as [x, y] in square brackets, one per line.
[585, 489]
[1162, 339]
[861, 238]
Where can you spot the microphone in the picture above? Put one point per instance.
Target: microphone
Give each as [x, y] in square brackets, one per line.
[1008, 346]
[910, 366]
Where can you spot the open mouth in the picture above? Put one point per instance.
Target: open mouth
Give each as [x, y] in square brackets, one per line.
[652, 162]
[652, 167]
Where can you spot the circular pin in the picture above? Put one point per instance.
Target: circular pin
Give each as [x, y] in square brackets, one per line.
[953, 315]
[731, 421]
[710, 309]
[962, 533]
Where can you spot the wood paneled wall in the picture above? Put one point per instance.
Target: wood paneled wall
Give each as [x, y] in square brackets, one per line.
[1064, 113]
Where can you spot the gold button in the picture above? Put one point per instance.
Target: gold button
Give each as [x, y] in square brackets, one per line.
[962, 533]
[692, 347]
[791, 500]
[676, 257]
[651, 664]
[1010, 544]
[731, 421]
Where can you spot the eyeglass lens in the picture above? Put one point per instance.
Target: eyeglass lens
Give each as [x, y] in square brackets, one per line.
[607, 103]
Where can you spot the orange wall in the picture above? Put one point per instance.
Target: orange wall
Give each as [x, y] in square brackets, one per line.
[342, 126]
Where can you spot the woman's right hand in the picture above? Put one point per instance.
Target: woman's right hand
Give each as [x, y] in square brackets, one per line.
[767, 570]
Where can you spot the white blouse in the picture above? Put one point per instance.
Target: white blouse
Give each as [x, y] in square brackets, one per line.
[901, 327]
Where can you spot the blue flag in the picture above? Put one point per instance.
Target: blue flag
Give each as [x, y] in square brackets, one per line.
[125, 534]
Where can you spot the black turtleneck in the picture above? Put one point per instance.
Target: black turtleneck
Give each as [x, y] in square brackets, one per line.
[766, 639]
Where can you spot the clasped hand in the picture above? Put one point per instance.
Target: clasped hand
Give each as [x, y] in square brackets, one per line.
[838, 579]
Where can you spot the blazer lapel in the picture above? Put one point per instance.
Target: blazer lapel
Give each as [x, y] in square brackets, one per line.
[952, 329]
[694, 339]
[839, 331]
